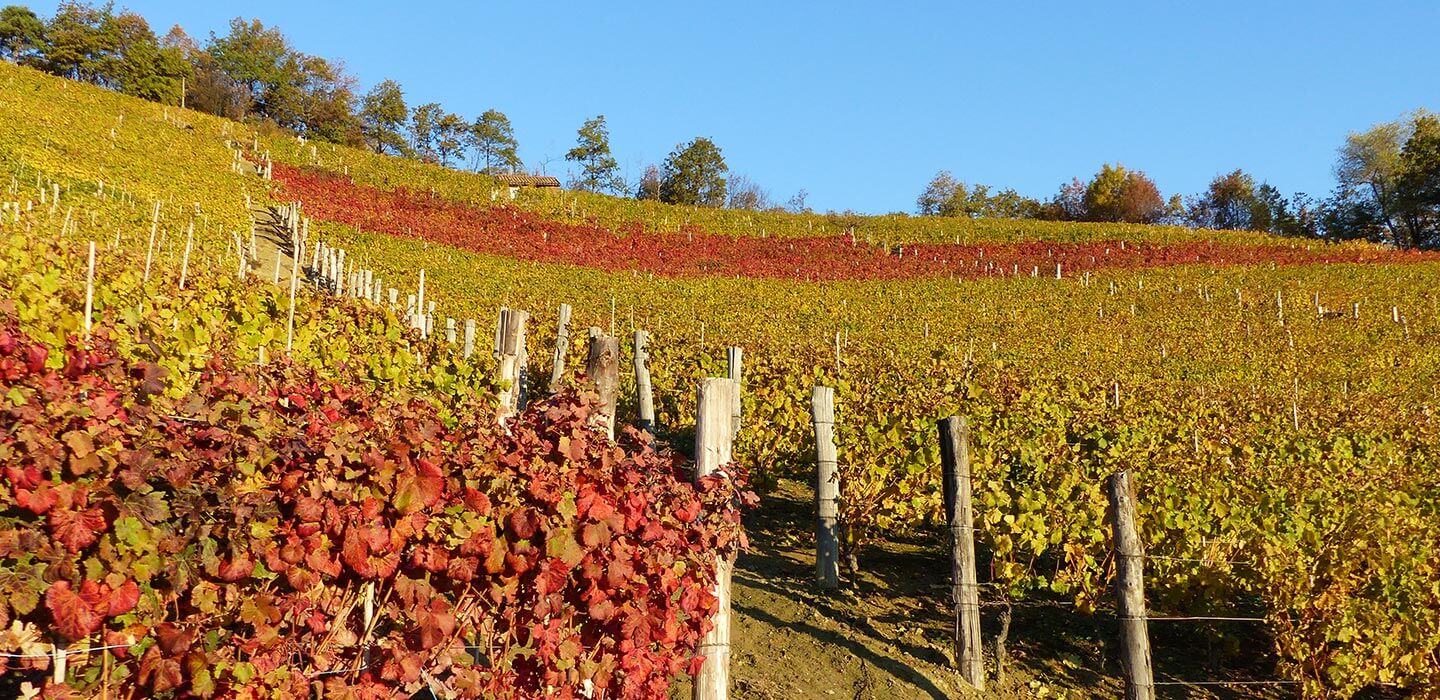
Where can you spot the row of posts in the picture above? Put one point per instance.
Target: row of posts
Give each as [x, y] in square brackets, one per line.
[954, 436]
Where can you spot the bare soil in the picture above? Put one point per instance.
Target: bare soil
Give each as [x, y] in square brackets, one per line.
[886, 633]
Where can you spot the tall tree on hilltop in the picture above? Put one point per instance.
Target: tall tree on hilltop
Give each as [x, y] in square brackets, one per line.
[599, 171]
[209, 89]
[422, 130]
[81, 42]
[1230, 202]
[22, 34]
[450, 131]
[143, 67]
[327, 104]
[257, 58]
[1122, 195]
[493, 140]
[1368, 173]
[1387, 187]
[382, 116]
[946, 196]
[694, 173]
[1419, 199]
[748, 195]
[649, 185]
[941, 188]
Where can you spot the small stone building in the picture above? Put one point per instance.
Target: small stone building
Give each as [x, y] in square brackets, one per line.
[515, 181]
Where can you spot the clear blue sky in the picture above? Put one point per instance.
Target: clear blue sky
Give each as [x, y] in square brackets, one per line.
[861, 103]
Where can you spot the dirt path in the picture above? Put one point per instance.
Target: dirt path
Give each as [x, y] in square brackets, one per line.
[886, 634]
[273, 245]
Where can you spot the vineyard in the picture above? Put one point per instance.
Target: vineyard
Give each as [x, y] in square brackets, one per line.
[220, 503]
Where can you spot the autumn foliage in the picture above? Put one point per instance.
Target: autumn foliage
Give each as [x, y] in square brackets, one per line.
[225, 542]
[524, 235]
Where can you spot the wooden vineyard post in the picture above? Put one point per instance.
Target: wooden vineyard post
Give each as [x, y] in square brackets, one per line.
[713, 442]
[1130, 590]
[827, 489]
[602, 366]
[562, 345]
[511, 347]
[960, 514]
[734, 359]
[644, 399]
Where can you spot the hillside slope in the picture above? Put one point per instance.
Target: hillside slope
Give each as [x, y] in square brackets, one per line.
[1277, 408]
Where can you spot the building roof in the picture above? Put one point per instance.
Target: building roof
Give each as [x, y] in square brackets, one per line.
[519, 180]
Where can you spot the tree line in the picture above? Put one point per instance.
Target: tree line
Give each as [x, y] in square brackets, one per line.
[1388, 177]
[1387, 191]
[252, 72]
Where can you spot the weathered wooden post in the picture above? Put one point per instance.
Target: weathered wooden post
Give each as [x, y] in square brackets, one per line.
[960, 515]
[734, 358]
[602, 366]
[562, 345]
[1130, 590]
[511, 350]
[827, 489]
[644, 399]
[713, 441]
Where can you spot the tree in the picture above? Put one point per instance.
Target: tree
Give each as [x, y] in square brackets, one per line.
[22, 34]
[382, 118]
[796, 204]
[599, 171]
[1068, 204]
[748, 195]
[81, 42]
[1122, 195]
[209, 89]
[1378, 195]
[649, 186]
[258, 59]
[946, 196]
[694, 173]
[144, 68]
[932, 201]
[1418, 197]
[1231, 203]
[450, 131]
[422, 130]
[493, 139]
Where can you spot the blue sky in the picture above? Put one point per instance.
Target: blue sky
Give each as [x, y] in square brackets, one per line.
[861, 103]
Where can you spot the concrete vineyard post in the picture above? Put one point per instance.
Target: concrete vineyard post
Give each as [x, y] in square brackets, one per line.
[450, 330]
[1130, 590]
[469, 337]
[150, 247]
[960, 515]
[644, 399]
[713, 442]
[89, 291]
[290, 321]
[602, 366]
[734, 359]
[185, 259]
[827, 489]
[562, 345]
